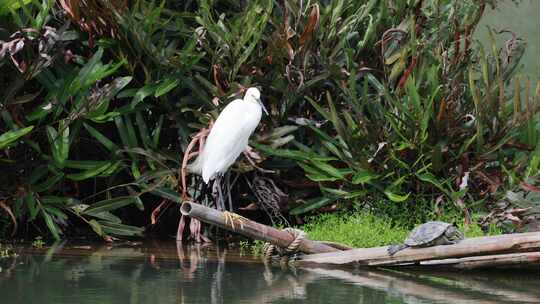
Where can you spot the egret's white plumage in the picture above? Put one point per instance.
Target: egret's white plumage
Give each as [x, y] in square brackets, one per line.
[229, 135]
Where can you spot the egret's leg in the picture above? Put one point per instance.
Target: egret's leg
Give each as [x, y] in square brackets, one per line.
[229, 196]
[220, 204]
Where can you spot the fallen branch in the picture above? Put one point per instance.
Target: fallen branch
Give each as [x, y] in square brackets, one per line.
[236, 223]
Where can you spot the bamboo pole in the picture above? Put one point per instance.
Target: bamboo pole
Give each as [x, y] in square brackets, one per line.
[236, 223]
[378, 256]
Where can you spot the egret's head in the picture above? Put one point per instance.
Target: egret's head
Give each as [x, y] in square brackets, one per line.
[255, 94]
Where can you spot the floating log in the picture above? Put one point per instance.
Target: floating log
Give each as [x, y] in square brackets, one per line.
[236, 223]
[378, 256]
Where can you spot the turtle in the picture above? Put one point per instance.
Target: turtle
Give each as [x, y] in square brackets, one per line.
[429, 234]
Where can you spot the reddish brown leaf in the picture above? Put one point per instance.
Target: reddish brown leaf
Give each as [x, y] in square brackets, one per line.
[493, 181]
[155, 212]
[407, 72]
[180, 230]
[311, 25]
[442, 111]
[221, 84]
[250, 207]
[199, 137]
[528, 187]
[11, 215]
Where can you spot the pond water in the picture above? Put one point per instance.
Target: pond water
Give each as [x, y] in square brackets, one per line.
[170, 273]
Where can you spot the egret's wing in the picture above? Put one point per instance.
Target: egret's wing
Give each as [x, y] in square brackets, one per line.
[228, 137]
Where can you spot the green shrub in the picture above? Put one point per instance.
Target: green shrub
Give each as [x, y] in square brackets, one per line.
[385, 104]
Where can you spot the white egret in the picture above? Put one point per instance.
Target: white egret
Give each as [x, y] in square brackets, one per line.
[228, 138]
[229, 135]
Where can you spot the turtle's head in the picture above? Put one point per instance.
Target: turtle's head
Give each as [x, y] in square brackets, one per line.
[254, 94]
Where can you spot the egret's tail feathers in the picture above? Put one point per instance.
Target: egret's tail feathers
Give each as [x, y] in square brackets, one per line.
[196, 167]
[206, 176]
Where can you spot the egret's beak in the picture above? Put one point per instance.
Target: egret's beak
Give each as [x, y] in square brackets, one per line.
[263, 107]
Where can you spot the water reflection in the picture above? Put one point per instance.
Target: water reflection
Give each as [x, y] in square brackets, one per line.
[176, 273]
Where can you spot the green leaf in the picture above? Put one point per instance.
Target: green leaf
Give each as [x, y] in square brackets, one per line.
[90, 172]
[284, 153]
[167, 194]
[32, 206]
[138, 202]
[334, 192]
[321, 178]
[58, 200]
[122, 131]
[96, 227]
[9, 137]
[313, 204]
[8, 5]
[315, 174]
[49, 183]
[363, 176]
[37, 174]
[327, 168]
[413, 95]
[165, 86]
[142, 93]
[319, 109]
[109, 91]
[119, 229]
[56, 212]
[84, 164]
[143, 130]
[113, 168]
[355, 194]
[109, 217]
[53, 228]
[394, 197]
[109, 205]
[107, 143]
[157, 131]
[430, 178]
[59, 143]
[130, 129]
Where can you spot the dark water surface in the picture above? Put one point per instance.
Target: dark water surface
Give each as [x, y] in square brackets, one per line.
[167, 273]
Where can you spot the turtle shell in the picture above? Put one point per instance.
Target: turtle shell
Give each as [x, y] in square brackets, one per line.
[426, 233]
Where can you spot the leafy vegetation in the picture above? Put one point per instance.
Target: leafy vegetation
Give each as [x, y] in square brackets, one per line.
[385, 106]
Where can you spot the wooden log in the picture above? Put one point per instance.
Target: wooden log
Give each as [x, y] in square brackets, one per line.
[531, 259]
[378, 256]
[236, 223]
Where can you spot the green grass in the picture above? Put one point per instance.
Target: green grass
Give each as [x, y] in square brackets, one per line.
[364, 230]
[356, 229]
